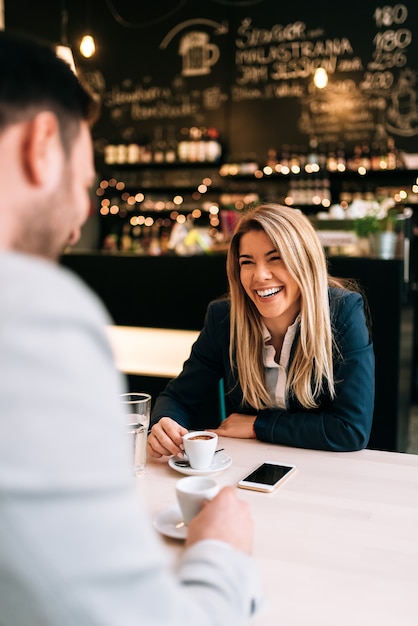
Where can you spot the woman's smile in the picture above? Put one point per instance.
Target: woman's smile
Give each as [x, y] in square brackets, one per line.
[268, 293]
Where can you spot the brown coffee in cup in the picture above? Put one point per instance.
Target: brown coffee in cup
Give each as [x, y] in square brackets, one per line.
[200, 437]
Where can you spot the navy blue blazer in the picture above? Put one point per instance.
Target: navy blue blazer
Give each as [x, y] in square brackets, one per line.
[342, 424]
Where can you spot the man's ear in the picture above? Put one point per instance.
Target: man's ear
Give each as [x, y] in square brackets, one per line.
[43, 153]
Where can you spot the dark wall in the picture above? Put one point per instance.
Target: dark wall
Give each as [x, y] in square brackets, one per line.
[160, 291]
[244, 67]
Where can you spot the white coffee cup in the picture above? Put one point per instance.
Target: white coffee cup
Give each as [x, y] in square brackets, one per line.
[200, 446]
[191, 492]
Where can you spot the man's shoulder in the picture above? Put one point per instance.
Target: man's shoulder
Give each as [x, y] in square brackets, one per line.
[27, 282]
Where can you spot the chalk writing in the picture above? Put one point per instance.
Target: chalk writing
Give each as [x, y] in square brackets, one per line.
[290, 54]
[249, 37]
[118, 96]
[387, 15]
[371, 84]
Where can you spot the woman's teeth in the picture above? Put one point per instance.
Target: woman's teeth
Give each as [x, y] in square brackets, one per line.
[269, 292]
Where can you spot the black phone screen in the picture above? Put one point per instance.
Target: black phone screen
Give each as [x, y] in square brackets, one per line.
[268, 474]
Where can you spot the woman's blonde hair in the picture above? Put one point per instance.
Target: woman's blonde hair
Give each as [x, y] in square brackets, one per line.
[294, 237]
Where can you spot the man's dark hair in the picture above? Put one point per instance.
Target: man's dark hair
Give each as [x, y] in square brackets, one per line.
[34, 79]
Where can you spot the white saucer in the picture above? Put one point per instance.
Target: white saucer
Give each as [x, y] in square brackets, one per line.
[166, 521]
[220, 462]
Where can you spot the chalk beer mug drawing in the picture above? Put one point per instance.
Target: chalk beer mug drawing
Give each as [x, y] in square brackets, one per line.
[198, 54]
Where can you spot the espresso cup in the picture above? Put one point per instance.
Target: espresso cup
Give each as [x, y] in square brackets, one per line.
[200, 446]
[191, 492]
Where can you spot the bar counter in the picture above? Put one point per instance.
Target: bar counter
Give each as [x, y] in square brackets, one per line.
[173, 292]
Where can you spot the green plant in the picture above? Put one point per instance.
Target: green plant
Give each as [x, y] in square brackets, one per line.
[375, 222]
[365, 226]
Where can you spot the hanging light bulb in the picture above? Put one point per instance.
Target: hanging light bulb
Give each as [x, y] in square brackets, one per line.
[87, 46]
[65, 53]
[63, 49]
[320, 78]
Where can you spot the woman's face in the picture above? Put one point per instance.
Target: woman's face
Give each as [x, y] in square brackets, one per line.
[266, 280]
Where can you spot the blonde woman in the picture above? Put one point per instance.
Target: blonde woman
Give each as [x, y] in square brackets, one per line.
[291, 344]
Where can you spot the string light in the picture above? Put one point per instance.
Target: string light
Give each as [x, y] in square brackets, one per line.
[65, 53]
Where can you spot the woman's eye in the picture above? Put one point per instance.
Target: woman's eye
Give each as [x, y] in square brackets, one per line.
[246, 262]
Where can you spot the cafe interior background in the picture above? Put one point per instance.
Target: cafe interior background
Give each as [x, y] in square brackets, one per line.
[210, 107]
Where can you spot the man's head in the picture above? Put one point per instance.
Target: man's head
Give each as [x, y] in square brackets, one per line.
[46, 156]
[33, 79]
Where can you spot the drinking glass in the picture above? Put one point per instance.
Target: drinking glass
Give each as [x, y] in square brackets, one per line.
[137, 408]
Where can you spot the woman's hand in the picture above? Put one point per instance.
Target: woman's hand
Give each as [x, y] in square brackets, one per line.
[237, 425]
[165, 438]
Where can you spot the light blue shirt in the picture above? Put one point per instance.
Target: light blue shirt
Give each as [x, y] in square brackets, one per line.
[77, 547]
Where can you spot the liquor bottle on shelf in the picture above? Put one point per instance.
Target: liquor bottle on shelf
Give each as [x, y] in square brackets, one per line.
[341, 159]
[284, 162]
[292, 194]
[272, 160]
[303, 158]
[308, 191]
[354, 162]
[312, 157]
[365, 156]
[158, 146]
[322, 156]
[196, 145]
[121, 153]
[133, 153]
[199, 145]
[213, 146]
[394, 157]
[332, 162]
[171, 149]
[146, 153]
[109, 154]
[383, 156]
[183, 146]
[374, 157]
[294, 160]
[326, 193]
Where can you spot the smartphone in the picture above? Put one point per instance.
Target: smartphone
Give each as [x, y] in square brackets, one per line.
[267, 476]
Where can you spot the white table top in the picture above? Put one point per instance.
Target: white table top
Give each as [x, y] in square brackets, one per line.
[150, 351]
[336, 543]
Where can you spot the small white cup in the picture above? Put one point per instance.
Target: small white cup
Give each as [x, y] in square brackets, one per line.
[200, 446]
[191, 492]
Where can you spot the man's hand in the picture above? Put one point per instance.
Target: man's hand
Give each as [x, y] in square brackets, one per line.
[225, 518]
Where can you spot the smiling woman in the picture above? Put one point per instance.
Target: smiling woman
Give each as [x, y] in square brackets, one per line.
[268, 283]
[291, 344]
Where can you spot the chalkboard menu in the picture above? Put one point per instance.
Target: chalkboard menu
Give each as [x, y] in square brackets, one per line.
[246, 68]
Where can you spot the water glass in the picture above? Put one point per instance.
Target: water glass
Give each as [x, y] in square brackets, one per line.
[137, 408]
